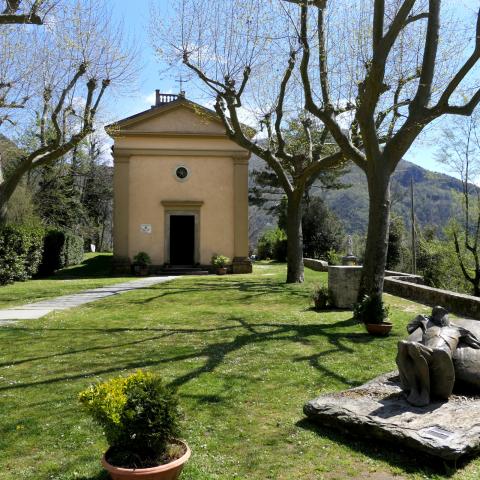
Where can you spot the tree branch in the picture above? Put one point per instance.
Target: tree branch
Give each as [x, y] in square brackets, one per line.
[11, 15]
[279, 108]
[328, 118]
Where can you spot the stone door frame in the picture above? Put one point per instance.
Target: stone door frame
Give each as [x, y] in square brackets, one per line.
[187, 208]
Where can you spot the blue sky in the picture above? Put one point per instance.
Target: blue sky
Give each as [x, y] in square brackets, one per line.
[135, 16]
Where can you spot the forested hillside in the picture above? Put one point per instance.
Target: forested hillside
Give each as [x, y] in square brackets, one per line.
[435, 201]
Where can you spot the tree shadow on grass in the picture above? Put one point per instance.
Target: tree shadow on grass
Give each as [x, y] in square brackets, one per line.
[409, 460]
[250, 288]
[215, 353]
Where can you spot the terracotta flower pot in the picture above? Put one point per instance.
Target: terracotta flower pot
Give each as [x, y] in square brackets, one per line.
[169, 471]
[379, 329]
[221, 270]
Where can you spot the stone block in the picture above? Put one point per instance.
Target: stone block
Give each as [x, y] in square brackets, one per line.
[343, 283]
[241, 265]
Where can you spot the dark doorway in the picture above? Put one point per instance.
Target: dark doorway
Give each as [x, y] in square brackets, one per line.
[182, 239]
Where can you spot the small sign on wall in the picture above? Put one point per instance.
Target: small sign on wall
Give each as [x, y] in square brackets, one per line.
[146, 228]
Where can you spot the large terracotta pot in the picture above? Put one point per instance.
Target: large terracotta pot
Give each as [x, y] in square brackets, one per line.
[169, 471]
[379, 329]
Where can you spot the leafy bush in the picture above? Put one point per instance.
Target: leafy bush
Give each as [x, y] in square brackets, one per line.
[273, 245]
[142, 258]
[220, 261]
[370, 310]
[333, 257]
[321, 297]
[20, 252]
[139, 416]
[60, 249]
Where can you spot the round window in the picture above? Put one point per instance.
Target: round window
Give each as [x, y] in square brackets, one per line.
[181, 172]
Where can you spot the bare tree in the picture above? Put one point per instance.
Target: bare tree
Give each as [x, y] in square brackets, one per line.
[229, 46]
[76, 59]
[459, 149]
[397, 79]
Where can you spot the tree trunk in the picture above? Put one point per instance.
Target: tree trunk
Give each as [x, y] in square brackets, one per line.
[373, 272]
[294, 238]
[7, 187]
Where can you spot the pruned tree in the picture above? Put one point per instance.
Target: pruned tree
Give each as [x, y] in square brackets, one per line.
[396, 68]
[229, 45]
[459, 150]
[75, 61]
[14, 12]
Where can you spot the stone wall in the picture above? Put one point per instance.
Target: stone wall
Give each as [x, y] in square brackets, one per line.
[344, 282]
[458, 303]
[317, 265]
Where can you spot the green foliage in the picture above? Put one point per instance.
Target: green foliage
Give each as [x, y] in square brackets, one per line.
[272, 245]
[142, 258]
[58, 198]
[61, 249]
[397, 253]
[138, 414]
[20, 252]
[437, 262]
[333, 257]
[220, 261]
[370, 310]
[322, 230]
[321, 297]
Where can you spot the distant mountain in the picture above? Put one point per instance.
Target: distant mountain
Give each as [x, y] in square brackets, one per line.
[434, 198]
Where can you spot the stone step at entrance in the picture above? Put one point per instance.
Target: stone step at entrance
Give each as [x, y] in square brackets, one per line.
[183, 270]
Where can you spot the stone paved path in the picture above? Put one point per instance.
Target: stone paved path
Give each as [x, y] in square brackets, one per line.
[32, 311]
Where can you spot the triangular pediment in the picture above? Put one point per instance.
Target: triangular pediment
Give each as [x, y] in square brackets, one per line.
[178, 117]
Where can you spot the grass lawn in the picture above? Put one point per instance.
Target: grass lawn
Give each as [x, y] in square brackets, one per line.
[92, 273]
[245, 353]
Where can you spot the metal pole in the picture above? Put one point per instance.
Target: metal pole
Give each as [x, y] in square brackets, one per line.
[414, 242]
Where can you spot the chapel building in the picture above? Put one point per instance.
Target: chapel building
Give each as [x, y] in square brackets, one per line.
[180, 187]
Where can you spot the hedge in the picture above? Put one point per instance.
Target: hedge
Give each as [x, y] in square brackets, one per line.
[21, 250]
[60, 249]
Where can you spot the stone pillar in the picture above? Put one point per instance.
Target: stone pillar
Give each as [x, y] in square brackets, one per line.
[241, 261]
[343, 284]
[121, 193]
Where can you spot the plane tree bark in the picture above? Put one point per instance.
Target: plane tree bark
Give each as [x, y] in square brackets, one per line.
[381, 133]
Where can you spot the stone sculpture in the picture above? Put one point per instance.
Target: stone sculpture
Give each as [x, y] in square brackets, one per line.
[427, 360]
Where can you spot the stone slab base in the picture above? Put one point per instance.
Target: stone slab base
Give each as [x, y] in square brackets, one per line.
[241, 265]
[378, 409]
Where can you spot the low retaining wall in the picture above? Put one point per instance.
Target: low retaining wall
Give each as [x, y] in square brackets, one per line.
[344, 282]
[458, 303]
[317, 265]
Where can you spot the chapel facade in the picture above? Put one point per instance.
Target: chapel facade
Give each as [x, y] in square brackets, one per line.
[180, 187]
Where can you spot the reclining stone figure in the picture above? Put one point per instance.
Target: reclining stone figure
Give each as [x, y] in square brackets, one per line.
[427, 366]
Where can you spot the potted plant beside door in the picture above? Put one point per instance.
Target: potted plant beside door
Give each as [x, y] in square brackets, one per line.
[220, 263]
[139, 416]
[141, 264]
